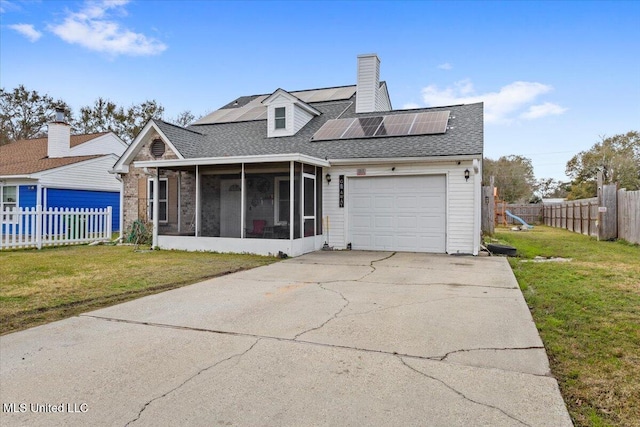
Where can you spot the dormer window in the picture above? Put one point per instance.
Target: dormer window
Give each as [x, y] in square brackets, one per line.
[281, 117]
[286, 114]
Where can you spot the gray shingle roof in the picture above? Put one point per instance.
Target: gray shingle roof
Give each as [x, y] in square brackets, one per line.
[464, 137]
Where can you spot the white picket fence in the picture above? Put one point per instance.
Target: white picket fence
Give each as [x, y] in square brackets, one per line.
[35, 227]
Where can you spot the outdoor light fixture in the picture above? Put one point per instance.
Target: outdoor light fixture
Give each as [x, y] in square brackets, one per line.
[328, 177]
[466, 174]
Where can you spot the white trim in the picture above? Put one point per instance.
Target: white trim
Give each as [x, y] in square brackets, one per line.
[293, 99]
[203, 161]
[399, 160]
[134, 148]
[151, 180]
[15, 205]
[276, 199]
[242, 203]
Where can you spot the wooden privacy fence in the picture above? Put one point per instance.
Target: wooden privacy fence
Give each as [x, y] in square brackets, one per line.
[629, 216]
[35, 227]
[579, 216]
[530, 213]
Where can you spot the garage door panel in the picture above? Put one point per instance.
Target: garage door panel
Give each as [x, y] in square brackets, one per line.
[384, 202]
[409, 202]
[361, 202]
[407, 222]
[384, 222]
[364, 222]
[405, 213]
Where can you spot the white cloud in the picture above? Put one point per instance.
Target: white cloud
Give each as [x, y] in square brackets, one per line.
[28, 31]
[542, 110]
[410, 106]
[445, 66]
[7, 6]
[93, 28]
[499, 107]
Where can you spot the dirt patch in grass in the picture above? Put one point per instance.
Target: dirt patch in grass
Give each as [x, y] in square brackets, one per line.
[588, 315]
[42, 286]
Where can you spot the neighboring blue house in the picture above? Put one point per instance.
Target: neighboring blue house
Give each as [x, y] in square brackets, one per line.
[61, 171]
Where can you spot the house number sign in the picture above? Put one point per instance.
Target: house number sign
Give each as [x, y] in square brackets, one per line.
[341, 191]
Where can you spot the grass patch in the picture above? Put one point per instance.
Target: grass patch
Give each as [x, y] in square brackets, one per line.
[50, 284]
[588, 315]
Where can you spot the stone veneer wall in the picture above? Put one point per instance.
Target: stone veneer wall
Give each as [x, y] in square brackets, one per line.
[134, 205]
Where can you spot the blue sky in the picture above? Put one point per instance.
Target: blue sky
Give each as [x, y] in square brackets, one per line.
[554, 76]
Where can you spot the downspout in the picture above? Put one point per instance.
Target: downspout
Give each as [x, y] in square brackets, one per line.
[477, 184]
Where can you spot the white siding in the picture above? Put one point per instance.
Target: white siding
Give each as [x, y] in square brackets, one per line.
[280, 101]
[383, 103]
[300, 118]
[461, 209]
[106, 144]
[367, 83]
[88, 175]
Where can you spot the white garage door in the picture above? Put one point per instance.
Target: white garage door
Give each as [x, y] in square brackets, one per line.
[399, 213]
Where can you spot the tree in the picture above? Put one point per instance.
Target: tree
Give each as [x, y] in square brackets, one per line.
[549, 187]
[184, 119]
[106, 116]
[24, 114]
[618, 157]
[513, 177]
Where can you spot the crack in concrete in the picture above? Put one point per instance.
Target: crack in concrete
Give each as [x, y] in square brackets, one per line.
[335, 315]
[296, 341]
[459, 393]
[146, 405]
[373, 267]
[391, 307]
[466, 350]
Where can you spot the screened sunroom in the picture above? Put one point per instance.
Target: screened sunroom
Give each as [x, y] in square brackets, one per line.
[258, 204]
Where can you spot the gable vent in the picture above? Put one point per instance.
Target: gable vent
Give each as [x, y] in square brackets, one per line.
[157, 148]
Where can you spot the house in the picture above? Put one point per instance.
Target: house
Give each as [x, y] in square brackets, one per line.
[61, 171]
[292, 172]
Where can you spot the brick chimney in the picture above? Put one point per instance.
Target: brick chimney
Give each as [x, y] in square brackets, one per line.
[59, 136]
[368, 83]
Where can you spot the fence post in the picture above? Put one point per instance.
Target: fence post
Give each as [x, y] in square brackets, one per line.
[108, 225]
[608, 212]
[39, 226]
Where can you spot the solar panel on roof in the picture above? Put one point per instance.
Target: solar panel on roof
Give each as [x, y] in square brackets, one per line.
[363, 127]
[396, 125]
[254, 113]
[430, 123]
[332, 129]
[433, 122]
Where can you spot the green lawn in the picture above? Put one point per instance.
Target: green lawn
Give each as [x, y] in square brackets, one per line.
[588, 315]
[42, 286]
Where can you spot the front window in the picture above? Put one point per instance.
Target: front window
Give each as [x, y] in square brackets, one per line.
[281, 117]
[8, 200]
[163, 212]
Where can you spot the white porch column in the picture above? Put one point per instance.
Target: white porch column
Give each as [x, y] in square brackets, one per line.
[291, 199]
[156, 208]
[242, 201]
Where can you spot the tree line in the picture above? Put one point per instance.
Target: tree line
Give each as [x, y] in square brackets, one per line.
[24, 115]
[617, 157]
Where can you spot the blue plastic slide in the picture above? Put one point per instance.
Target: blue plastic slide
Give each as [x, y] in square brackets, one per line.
[517, 218]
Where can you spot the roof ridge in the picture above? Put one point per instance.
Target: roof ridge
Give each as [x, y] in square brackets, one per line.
[177, 126]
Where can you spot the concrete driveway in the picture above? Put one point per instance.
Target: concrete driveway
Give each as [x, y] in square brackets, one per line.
[329, 338]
